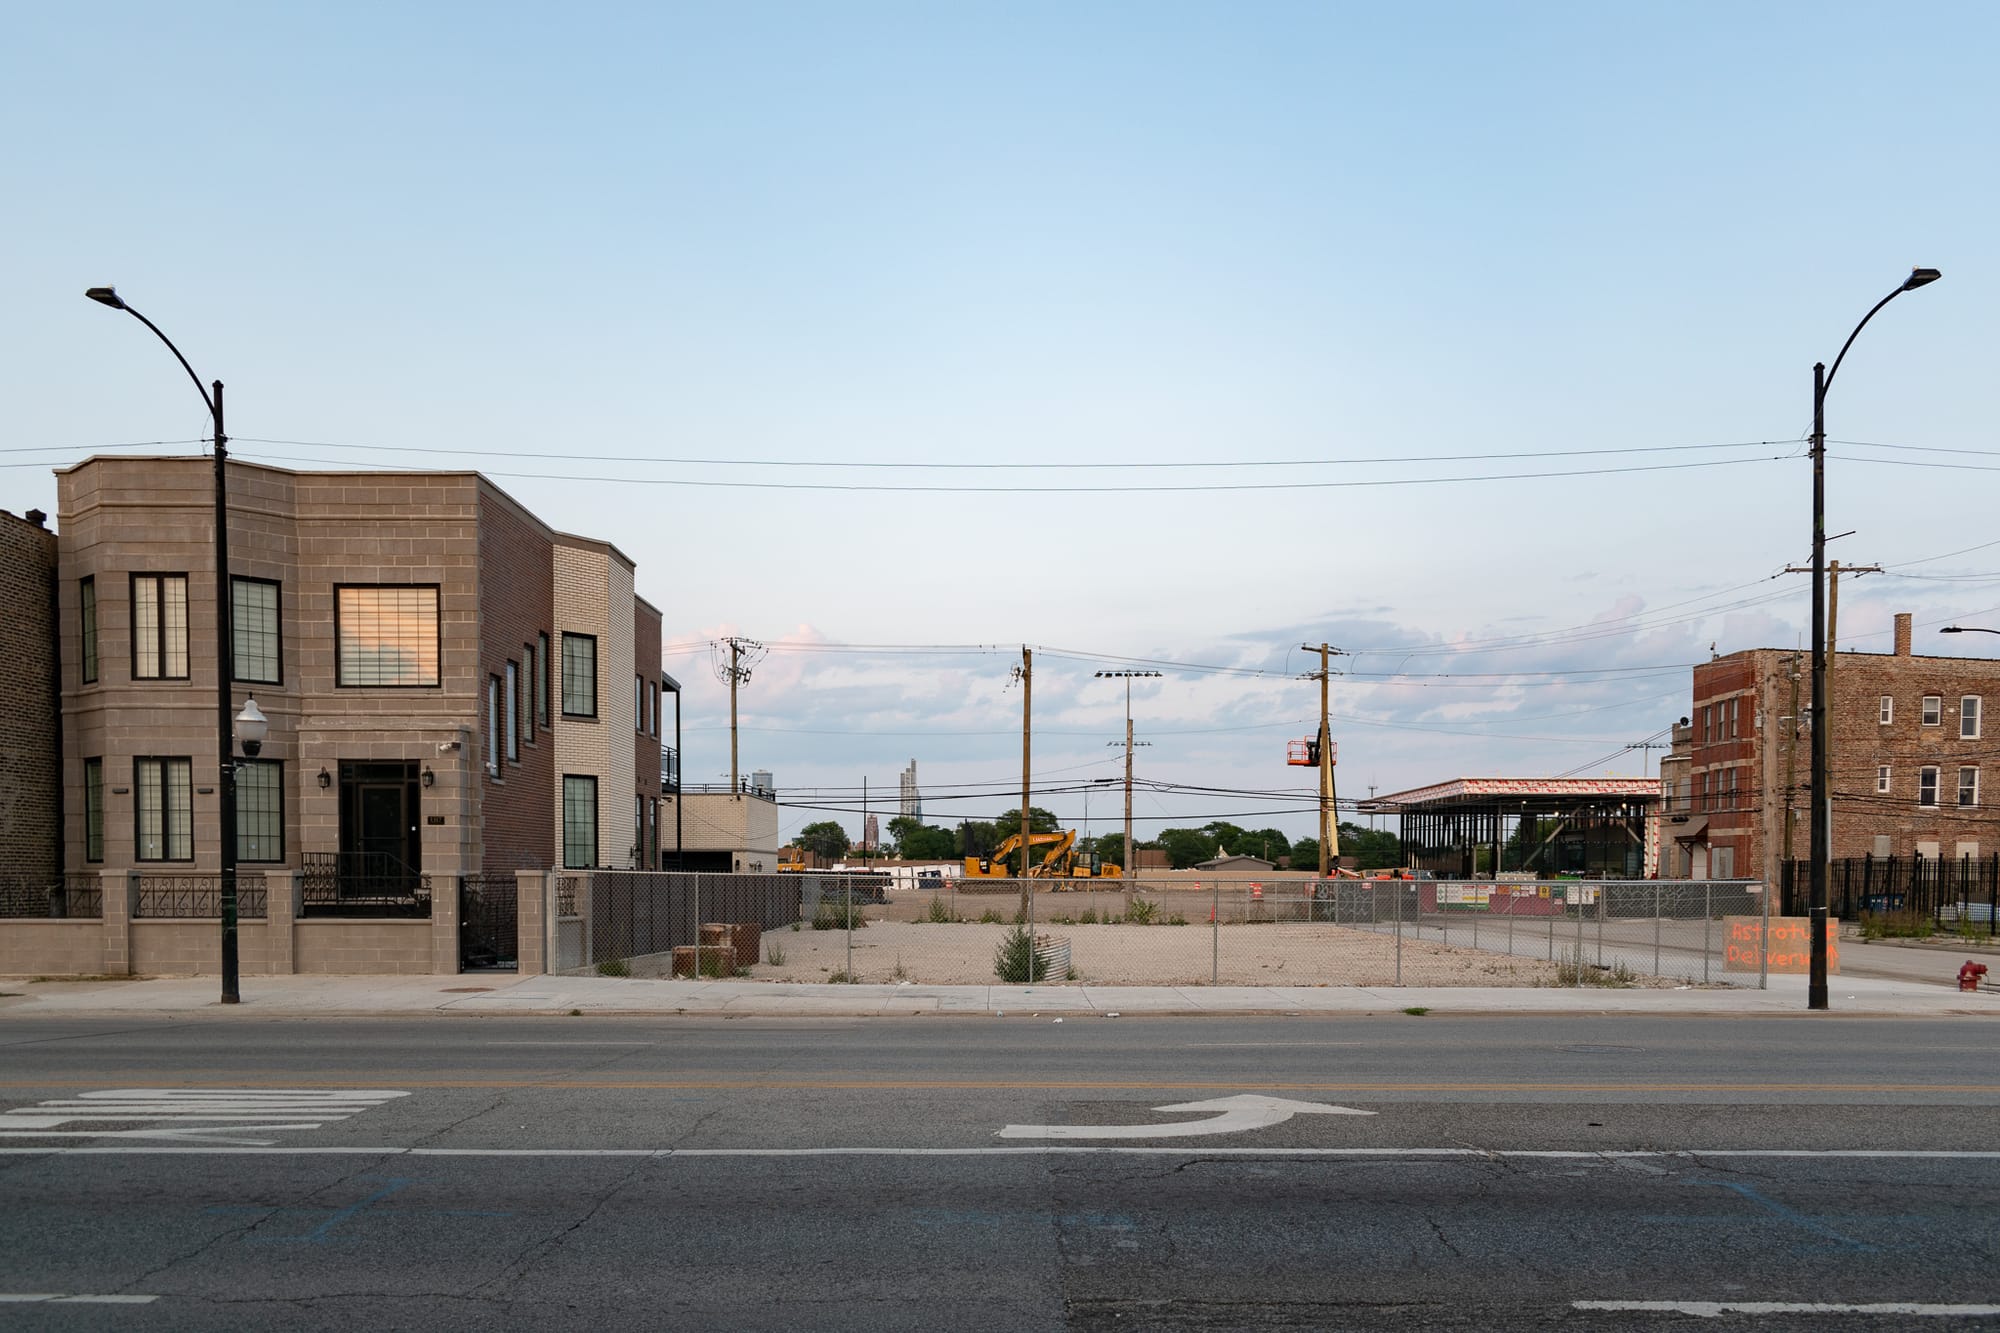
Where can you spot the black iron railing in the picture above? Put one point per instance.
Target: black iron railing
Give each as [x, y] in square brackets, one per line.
[185, 897]
[1963, 893]
[75, 895]
[357, 884]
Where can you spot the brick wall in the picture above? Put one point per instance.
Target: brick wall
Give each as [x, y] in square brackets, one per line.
[646, 740]
[1773, 755]
[516, 606]
[30, 741]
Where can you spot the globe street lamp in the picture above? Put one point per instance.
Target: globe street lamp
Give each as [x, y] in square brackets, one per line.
[1821, 795]
[252, 723]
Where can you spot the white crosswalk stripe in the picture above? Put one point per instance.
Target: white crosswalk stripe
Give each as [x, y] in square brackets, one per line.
[220, 1115]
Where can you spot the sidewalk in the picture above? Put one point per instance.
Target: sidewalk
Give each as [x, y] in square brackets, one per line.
[486, 994]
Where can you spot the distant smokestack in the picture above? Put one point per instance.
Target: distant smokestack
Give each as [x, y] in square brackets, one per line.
[1903, 634]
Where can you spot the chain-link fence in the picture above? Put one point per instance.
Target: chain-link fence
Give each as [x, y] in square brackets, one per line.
[835, 928]
[647, 923]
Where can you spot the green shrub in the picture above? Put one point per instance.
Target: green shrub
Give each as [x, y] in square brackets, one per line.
[1574, 970]
[1895, 925]
[614, 967]
[776, 954]
[1142, 912]
[1016, 962]
[1177, 920]
[843, 978]
[989, 917]
[1089, 917]
[940, 911]
[839, 916]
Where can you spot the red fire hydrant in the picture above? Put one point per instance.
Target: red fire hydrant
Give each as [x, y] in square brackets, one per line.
[1969, 975]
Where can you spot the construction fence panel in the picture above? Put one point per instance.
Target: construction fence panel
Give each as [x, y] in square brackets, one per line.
[832, 927]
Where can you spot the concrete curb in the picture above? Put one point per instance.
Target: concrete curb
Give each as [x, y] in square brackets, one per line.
[476, 995]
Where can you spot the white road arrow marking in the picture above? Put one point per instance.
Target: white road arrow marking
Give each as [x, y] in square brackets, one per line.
[1238, 1113]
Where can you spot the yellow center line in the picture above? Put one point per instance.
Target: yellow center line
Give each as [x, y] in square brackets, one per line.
[972, 1085]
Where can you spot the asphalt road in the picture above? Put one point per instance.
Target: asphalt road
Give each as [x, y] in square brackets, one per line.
[1016, 1173]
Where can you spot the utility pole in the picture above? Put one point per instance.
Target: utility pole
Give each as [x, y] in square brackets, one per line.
[1025, 673]
[1125, 871]
[1329, 834]
[1834, 570]
[742, 654]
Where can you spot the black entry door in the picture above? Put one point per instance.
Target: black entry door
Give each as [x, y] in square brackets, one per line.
[380, 851]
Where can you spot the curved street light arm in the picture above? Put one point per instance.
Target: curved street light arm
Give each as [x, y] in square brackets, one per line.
[198, 387]
[1835, 370]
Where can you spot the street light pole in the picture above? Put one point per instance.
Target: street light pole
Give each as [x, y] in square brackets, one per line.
[1821, 836]
[225, 661]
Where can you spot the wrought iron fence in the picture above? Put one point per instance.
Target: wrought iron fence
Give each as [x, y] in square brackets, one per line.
[1961, 894]
[76, 895]
[350, 884]
[817, 927]
[488, 921]
[187, 897]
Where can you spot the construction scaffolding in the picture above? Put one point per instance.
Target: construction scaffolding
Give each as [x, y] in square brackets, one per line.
[1545, 828]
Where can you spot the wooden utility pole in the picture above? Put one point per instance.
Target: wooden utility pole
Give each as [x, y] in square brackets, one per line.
[1834, 570]
[742, 654]
[1329, 832]
[1125, 871]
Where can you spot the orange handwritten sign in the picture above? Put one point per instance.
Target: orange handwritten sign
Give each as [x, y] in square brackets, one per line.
[1744, 947]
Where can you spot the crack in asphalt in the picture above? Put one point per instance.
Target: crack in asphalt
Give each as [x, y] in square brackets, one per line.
[515, 1269]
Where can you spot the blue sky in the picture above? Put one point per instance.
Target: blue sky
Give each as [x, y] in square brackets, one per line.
[824, 235]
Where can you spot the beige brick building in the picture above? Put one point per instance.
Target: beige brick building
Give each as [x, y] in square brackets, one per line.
[453, 688]
[1909, 755]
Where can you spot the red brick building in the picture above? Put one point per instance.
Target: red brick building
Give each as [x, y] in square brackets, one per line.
[1907, 756]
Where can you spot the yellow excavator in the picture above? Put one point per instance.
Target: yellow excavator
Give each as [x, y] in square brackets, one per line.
[1060, 860]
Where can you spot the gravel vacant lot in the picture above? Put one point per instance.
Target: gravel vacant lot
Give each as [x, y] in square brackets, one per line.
[1235, 955]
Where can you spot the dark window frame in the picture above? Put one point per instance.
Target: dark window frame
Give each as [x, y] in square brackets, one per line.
[587, 782]
[86, 612]
[528, 673]
[159, 579]
[544, 668]
[340, 680]
[510, 705]
[492, 727]
[167, 829]
[93, 808]
[236, 653]
[276, 767]
[1928, 778]
[567, 639]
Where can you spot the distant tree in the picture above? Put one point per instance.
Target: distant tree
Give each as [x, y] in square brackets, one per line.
[1372, 849]
[917, 841]
[1305, 854]
[1268, 843]
[1110, 847]
[1185, 846]
[824, 839]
